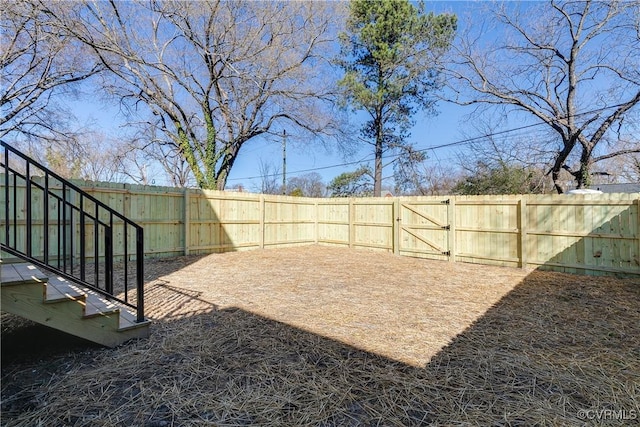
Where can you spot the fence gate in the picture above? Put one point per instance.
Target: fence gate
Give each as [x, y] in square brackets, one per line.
[424, 228]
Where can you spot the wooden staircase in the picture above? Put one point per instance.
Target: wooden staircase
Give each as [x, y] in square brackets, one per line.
[65, 242]
[55, 302]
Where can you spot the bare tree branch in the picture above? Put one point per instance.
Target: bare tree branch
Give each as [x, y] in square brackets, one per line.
[37, 60]
[574, 66]
[217, 73]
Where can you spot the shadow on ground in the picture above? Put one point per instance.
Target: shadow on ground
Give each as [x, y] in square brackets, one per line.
[554, 348]
[23, 340]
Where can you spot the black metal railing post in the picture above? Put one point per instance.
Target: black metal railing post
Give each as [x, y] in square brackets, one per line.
[140, 272]
[126, 260]
[63, 232]
[71, 232]
[15, 209]
[59, 235]
[108, 257]
[83, 243]
[45, 218]
[7, 229]
[96, 245]
[29, 222]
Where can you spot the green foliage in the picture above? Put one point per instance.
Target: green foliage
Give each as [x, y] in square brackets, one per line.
[296, 192]
[389, 52]
[352, 184]
[501, 179]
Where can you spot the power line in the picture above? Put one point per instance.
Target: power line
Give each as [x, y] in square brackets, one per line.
[394, 156]
[433, 147]
[304, 170]
[492, 134]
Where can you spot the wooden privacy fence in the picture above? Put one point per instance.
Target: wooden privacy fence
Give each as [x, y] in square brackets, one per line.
[590, 234]
[594, 234]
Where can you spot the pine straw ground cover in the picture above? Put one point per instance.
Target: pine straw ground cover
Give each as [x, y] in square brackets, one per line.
[335, 337]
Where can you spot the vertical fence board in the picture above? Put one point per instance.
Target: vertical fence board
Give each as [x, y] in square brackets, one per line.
[523, 222]
[333, 221]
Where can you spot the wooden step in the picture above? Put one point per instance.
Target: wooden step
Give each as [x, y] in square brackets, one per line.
[95, 304]
[63, 305]
[60, 289]
[19, 274]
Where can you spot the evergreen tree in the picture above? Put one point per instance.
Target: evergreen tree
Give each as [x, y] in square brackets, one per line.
[389, 53]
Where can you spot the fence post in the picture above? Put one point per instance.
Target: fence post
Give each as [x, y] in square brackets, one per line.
[395, 224]
[638, 230]
[315, 221]
[451, 235]
[262, 213]
[352, 220]
[187, 225]
[522, 219]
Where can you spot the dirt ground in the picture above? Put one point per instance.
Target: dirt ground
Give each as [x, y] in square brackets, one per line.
[327, 336]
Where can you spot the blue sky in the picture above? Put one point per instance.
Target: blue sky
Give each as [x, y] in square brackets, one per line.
[438, 135]
[429, 131]
[448, 126]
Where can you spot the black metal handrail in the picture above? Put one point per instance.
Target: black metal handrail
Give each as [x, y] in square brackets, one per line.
[81, 221]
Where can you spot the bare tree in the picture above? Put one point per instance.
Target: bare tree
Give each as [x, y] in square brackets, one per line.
[573, 66]
[307, 185]
[149, 148]
[213, 75]
[38, 62]
[270, 178]
[496, 154]
[616, 170]
[90, 155]
[438, 180]
[409, 171]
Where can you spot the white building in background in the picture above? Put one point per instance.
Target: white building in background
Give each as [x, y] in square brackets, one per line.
[617, 188]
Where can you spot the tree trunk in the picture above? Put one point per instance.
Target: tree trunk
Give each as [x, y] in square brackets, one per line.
[555, 175]
[377, 173]
[583, 177]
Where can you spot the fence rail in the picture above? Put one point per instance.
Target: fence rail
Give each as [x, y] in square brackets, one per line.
[585, 234]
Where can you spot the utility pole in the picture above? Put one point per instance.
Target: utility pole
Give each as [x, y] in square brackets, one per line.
[284, 162]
